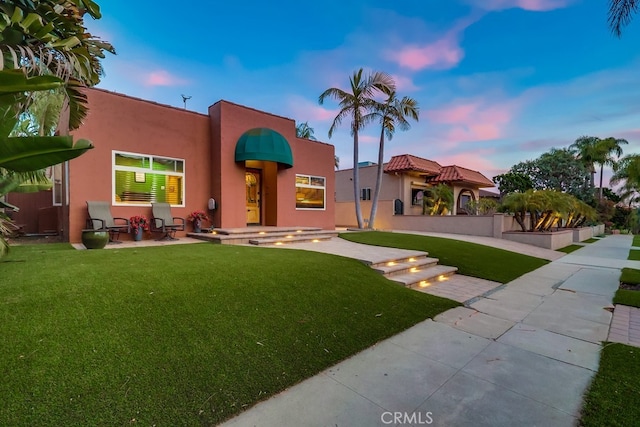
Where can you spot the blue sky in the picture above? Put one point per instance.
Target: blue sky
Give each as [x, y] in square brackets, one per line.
[497, 81]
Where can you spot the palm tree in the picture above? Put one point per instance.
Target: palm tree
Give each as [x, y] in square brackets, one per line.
[610, 149]
[585, 150]
[620, 14]
[627, 171]
[355, 105]
[303, 130]
[392, 113]
[592, 150]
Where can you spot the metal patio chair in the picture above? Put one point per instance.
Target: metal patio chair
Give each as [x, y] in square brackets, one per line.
[163, 221]
[100, 218]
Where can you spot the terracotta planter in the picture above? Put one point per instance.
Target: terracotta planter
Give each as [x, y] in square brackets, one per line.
[95, 239]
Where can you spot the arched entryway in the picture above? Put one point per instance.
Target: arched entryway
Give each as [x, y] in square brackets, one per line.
[465, 196]
[264, 152]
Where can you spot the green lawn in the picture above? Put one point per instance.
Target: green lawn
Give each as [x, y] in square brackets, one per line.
[636, 240]
[471, 259]
[181, 335]
[613, 399]
[634, 255]
[592, 240]
[627, 297]
[630, 276]
[570, 248]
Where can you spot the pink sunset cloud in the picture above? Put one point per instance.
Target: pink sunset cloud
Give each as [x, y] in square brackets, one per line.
[305, 110]
[441, 54]
[473, 121]
[162, 78]
[404, 84]
[531, 5]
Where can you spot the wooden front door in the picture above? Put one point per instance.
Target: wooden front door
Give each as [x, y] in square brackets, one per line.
[253, 181]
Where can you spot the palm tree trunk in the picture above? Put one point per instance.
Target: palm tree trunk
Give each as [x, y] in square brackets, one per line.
[600, 189]
[356, 181]
[376, 193]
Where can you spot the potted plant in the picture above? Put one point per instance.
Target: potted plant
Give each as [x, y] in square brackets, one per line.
[196, 218]
[139, 224]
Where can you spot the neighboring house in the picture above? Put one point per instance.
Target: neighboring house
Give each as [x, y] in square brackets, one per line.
[249, 161]
[406, 180]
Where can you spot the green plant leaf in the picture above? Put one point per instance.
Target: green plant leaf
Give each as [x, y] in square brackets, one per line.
[22, 154]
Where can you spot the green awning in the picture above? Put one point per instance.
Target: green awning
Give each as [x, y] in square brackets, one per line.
[264, 144]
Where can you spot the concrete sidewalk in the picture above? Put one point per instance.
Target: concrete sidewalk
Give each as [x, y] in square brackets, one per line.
[522, 355]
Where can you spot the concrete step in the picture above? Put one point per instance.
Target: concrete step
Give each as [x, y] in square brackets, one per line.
[241, 237]
[298, 238]
[395, 268]
[259, 230]
[427, 275]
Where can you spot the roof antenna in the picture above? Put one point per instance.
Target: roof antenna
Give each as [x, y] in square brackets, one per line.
[184, 99]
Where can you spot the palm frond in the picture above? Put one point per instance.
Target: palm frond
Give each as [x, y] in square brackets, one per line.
[620, 14]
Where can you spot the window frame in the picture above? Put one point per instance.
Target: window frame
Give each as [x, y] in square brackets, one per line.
[150, 157]
[310, 185]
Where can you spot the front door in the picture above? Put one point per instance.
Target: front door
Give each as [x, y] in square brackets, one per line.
[252, 179]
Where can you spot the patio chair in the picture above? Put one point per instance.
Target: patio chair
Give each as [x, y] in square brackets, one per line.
[162, 221]
[100, 218]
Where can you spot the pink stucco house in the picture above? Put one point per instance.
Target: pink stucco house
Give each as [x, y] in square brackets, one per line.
[249, 161]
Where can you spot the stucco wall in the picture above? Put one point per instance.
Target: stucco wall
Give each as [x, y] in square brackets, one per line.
[117, 122]
[474, 225]
[309, 158]
[555, 240]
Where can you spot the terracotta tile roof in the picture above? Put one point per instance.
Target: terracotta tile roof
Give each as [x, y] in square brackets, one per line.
[409, 163]
[458, 173]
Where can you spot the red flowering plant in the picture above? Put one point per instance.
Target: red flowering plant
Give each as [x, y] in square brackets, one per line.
[139, 221]
[197, 216]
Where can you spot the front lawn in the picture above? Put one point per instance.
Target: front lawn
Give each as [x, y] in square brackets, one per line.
[636, 240]
[471, 259]
[634, 255]
[181, 335]
[570, 248]
[630, 276]
[613, 399]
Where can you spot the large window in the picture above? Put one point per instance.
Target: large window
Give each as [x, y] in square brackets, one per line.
[143, 179]
[310, 192]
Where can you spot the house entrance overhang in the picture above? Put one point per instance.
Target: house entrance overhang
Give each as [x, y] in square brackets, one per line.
[264, 144]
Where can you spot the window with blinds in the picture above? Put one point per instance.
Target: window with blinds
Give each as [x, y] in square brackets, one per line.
[141, 179]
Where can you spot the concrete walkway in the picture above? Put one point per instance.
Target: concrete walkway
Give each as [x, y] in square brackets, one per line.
[521, 355]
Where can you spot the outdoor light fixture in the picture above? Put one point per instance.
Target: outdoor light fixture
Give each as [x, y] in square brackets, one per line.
[315, 241]
[298, 231]
[424, 284]
[278, 243]
[289, 236]
[442, 278]
[414, 270]
[390, 264]
[412, 259]
[262, 232]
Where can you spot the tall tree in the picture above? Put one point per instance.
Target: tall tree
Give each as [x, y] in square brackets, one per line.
[48, 37]
[303, 130]
[592, 151]
[611, 150]
[620, 14]
[557, 169]
[393, 113]
[627, 172]
[586, 150]
[355, 105]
